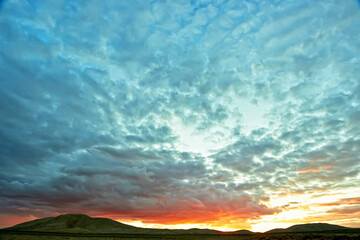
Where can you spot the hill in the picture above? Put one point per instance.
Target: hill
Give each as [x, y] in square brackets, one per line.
[243, 232]
[309, 227]
[81, 223]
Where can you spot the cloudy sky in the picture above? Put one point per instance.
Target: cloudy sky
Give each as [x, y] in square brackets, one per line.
[217, 114]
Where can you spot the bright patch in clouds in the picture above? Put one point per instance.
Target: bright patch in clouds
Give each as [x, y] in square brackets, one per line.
[208, 114]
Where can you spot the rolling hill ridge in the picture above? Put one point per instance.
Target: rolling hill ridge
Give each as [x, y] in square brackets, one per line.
[309, 227]
[81, 223]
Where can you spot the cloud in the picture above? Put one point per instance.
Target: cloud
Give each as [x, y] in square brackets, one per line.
[156, 190]
[349, 201]
[346, 210]
[154, 110]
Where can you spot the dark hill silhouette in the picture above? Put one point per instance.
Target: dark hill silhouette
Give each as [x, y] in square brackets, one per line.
[81, 223]
[309, 227]
[243, 232]
[75, 223]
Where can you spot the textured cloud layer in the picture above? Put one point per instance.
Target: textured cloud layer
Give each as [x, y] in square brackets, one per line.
[169, 112]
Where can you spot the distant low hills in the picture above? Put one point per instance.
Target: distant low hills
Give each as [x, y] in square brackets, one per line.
[243, 232]
[310, 227]
[83, 224]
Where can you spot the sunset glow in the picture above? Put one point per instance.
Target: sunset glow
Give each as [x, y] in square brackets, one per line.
[227, 115]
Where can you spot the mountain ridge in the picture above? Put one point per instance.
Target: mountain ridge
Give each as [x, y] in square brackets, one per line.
[73, 223]
[81, 223]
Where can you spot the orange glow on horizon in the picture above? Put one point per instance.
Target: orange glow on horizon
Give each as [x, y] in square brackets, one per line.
[7, 220]
[340, 208]
[179, 226]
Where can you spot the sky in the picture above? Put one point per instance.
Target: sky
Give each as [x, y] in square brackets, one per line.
[217, 114]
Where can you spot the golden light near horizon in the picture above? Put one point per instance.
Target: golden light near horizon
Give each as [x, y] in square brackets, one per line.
[300, 208]
[177, 226]
[307, 208]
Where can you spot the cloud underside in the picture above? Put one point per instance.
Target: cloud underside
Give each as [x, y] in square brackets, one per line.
[178, 112]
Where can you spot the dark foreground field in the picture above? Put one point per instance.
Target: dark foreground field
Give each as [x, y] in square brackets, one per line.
[18, 235]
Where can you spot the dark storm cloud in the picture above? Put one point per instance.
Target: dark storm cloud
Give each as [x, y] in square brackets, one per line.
[128, 190]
